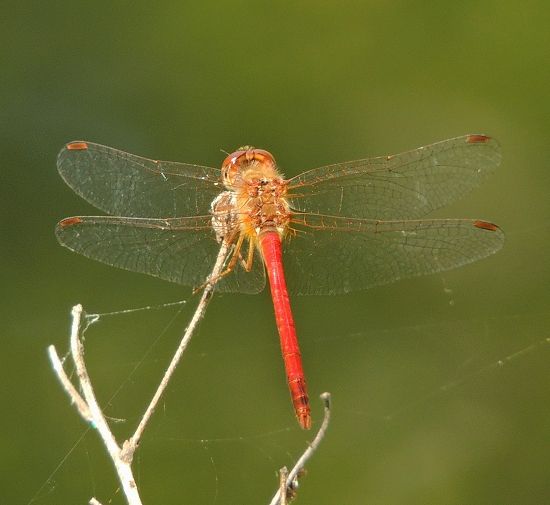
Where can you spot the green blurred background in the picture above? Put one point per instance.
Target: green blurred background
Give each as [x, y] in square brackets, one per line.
[441, 385]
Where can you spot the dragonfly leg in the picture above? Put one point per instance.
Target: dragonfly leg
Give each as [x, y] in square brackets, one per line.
[235, 256]
[247, 265]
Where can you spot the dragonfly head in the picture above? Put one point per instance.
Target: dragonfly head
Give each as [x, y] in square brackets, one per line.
[245, 159]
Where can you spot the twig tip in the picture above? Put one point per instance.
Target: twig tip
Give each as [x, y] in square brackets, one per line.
[326, 398]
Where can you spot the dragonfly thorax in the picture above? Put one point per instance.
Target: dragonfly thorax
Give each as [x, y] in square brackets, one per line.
[259, 201]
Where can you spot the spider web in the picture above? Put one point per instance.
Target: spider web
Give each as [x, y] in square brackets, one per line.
[433, 392]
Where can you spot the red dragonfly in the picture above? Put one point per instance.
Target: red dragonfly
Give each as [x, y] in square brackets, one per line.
[340, 228]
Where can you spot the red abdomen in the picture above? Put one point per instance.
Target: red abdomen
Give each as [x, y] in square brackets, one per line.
[271, 250]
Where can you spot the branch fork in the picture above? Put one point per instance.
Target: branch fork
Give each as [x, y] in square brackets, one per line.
[122, 454]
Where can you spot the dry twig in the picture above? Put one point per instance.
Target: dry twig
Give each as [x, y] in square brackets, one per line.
[290, 479]
[87, 404]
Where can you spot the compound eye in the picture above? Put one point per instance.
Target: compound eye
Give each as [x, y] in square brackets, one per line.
[242, 157]
[230, 166]
[263, 156]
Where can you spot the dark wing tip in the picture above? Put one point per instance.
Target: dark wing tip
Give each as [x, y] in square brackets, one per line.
[489, 147]
[65, 152]
[486, 225]
[478, 138]
[69, 221]
[77, 145]
[65, 229]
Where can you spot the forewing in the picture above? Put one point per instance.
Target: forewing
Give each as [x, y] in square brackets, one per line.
[180, 250]
[124, 184]
[403, 186]
[332, 255]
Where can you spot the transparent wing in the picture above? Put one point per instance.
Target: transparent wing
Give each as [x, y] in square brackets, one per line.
[123, 184]
[331, 255]
[403, 186]
[181, 250]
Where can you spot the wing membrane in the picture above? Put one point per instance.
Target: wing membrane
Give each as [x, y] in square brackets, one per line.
[326, 254]
[332, 255]
[181, 250]
[403, 186]
[124, 184]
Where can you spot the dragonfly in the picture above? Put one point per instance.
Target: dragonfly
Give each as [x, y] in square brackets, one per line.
[334, 229]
